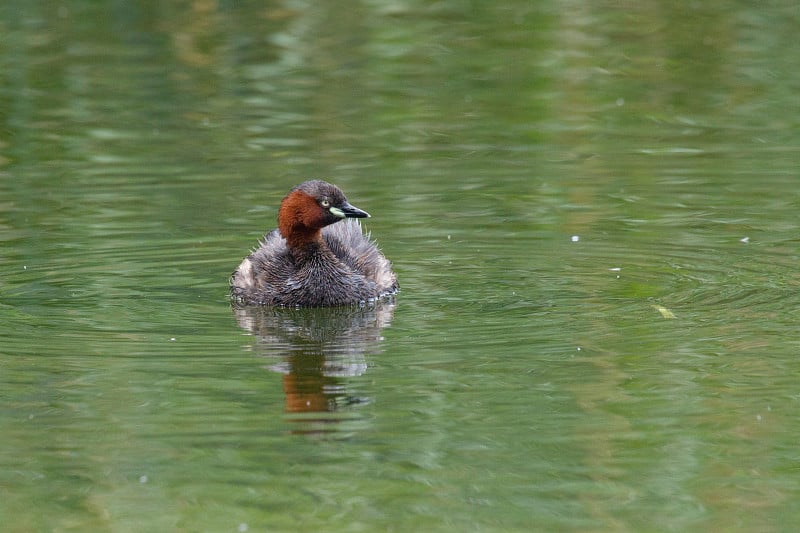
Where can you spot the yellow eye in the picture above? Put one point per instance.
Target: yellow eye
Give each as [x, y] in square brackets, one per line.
[325, 203]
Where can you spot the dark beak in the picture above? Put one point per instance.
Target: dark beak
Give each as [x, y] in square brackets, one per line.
[351, 211]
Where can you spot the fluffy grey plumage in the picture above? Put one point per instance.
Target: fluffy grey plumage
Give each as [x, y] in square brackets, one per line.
[326, 259]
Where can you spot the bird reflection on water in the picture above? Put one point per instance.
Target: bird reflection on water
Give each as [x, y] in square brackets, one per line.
[317, 350]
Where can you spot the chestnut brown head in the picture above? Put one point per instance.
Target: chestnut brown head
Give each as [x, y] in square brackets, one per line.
[311, 206]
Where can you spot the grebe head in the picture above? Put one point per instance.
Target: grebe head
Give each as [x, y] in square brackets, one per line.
[311, 206]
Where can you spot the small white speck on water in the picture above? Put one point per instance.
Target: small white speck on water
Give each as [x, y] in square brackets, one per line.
[745, 240]
[172, 339]
[620, 102]
[142, 479]
[575, 238]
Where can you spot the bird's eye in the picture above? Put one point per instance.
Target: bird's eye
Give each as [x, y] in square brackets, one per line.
[325, 203]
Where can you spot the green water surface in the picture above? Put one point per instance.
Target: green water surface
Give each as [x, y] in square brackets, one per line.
[592, 209]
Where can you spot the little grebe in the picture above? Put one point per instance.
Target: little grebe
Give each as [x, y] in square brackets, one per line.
[310, 260]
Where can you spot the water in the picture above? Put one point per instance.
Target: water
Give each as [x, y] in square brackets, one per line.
[592, 211]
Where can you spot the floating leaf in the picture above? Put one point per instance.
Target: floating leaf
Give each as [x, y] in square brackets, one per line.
[666, 313]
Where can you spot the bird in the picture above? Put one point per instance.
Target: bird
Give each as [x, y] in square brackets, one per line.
[319, 256]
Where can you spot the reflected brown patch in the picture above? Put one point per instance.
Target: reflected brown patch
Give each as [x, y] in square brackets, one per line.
[317, 350]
